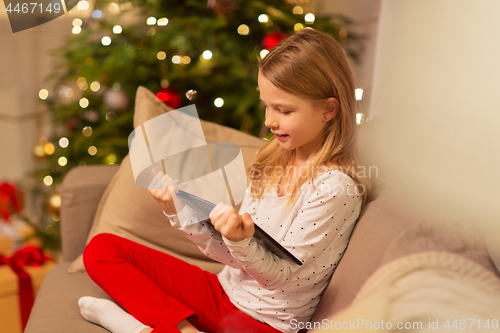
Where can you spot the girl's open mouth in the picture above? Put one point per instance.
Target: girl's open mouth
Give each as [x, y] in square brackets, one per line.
[281, 137]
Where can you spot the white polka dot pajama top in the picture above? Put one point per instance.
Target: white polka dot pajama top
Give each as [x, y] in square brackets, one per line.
[316, 230]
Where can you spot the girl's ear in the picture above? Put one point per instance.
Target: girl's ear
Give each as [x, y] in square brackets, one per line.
[332, 107]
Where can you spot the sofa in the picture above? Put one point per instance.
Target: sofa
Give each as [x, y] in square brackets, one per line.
[99, 198]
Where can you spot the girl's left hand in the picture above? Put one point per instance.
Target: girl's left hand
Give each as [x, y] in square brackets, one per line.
[230, 224]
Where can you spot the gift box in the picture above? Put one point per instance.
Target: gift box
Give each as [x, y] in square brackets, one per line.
[16, 298]
[13, 235]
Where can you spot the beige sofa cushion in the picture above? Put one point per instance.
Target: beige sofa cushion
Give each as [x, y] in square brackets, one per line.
[430, 235]
[387, 231]
[379, 223]
[425, 290]
[130, 211]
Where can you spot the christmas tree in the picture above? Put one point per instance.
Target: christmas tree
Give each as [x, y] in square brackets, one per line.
[194, 51]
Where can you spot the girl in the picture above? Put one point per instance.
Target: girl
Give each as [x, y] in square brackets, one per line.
[311, 165]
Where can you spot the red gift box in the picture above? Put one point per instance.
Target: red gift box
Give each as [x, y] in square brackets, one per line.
[20, 277]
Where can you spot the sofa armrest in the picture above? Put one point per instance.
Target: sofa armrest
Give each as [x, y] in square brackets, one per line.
[81, 192]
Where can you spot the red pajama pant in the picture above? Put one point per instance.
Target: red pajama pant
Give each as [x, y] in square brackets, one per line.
[160, 290]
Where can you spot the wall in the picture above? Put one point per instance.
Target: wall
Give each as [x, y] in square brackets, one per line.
[24, 65]
[364, 14]
[436, 108]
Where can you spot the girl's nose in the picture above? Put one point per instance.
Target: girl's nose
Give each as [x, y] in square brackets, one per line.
[270, 122]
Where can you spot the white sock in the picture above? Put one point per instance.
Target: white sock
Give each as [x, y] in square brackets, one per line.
[109, 315]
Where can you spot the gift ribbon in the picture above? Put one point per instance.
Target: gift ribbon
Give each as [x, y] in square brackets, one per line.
[26, 256]
[7, 197]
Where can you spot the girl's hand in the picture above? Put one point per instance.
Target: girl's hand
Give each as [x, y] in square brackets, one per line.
[159, 188]
[230, 224]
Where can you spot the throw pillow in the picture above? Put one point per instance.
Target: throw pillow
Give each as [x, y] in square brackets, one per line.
[130, 211]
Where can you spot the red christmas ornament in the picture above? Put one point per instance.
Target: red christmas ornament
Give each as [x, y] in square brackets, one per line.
[10, 200]
[272, 39]
[170, 97]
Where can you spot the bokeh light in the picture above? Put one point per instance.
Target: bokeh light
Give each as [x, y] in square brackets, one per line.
[176, 59]
[43, 94]
[359, 118]
[110, 116]
[95, 86]
[207, 54]
[106, 40]
[309, 18]
[62, 161]
[84, 102]
[83, 85]
[39, 151]
[83, 5]
[298, 26]
[161, 55]
[63, 142]
[87, 131]
[49, 148]
[263, 18]
[55, 200]
[92, 150]
[359, 93]
[162, 21]
[243, 29]
[219, 102]
[48, 180]
[111, 159]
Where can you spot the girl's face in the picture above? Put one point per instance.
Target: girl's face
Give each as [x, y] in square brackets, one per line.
[294, 117]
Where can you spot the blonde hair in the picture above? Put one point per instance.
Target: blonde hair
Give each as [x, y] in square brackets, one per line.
[312, 65]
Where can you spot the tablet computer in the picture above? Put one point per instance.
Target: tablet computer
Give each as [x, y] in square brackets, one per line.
[204, 207]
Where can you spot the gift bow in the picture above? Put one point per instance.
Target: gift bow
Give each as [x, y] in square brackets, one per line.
[26, 256]
[8, 197]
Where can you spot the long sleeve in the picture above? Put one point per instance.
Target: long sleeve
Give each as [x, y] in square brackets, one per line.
[323, 222]
[204, 235]
[209, 241]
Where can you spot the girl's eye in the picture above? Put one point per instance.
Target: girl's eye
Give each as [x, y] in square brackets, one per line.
[280, 111]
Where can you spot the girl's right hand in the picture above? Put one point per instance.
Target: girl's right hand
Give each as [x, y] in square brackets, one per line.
[160, 190]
